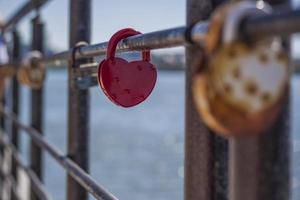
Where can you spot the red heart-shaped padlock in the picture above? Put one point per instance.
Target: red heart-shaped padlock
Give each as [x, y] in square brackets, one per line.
[126, 83]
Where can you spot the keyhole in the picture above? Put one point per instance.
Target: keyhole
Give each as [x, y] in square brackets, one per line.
[139, 67]
[117, 79]
[127, 91]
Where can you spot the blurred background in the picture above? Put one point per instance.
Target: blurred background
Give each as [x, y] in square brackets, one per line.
[135, 153]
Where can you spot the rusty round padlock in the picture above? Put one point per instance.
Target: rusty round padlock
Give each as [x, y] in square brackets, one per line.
[32, 73]
[241, 87]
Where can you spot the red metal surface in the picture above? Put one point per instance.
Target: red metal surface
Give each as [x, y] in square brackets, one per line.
[126, 83]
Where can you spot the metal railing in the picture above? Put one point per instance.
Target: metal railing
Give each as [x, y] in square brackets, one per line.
[205, 179]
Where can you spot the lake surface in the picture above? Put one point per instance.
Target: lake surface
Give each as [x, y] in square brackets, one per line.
[135, 153]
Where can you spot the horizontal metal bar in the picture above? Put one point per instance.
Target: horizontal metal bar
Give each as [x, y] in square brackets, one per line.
[86, 76]
[34, 180]
[86, 69]
[282, 23]
[154, 40]
[29, 6]
[84, 179]
[86, 82]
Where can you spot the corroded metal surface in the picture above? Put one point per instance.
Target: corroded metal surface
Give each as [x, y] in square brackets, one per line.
[205, 153]
[32, 73]
[15, 103]
[37, 114]
[78, 100]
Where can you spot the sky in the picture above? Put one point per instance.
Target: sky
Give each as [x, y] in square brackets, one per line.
[108, 16]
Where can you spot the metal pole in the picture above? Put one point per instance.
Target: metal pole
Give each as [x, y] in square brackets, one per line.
[37, 105]
[205, 152]
[2, 148]
[79, 100]
[259, 166]
[15, 106]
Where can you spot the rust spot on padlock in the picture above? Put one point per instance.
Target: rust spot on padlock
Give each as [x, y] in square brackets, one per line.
[263, 58]
[265, 97]
[227, 88]
[281, 56]
[251, 88]
[236, 72]
[232, 53]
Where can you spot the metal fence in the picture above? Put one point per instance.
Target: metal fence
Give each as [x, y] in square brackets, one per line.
[206, 154]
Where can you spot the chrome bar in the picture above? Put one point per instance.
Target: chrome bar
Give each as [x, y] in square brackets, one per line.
[154, 40]
[84, 179]
[283, 23]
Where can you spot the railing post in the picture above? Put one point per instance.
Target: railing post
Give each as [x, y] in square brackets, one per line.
[205, 152]
[36, 105]
[79, 100]
[15, 106]
[2, 148]
[2, 119]
[259, 166]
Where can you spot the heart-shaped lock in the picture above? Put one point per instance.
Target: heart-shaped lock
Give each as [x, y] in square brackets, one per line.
[126, 83]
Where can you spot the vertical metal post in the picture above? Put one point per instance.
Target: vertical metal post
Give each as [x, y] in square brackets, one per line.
[2, 102]
[2, 148]
[259, 166]
[79, 100]
[205, 152]
[2, 119]
[36, 105]
[15, 106]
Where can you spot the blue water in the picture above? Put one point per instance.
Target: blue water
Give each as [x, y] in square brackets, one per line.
[135, 153]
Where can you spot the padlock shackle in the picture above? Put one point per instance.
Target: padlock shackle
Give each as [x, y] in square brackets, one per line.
[117, 37]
